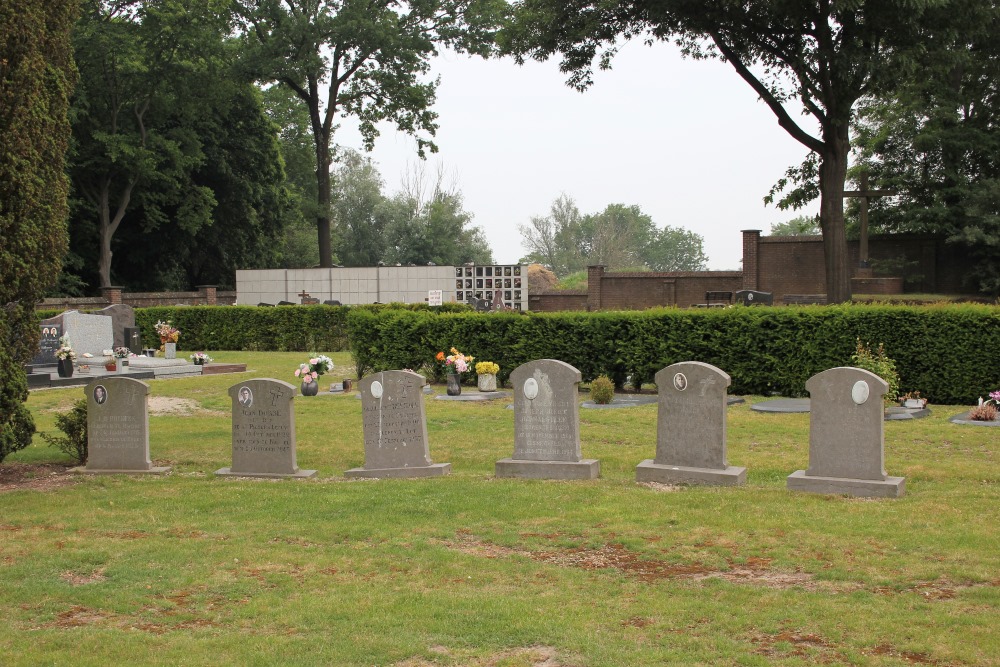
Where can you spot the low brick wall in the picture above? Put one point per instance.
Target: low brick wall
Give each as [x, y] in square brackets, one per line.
[561, 300]
[204, 296]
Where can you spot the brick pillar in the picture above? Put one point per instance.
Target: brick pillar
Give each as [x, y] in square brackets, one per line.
[594, 276]
[112, 295]
[207, 293]
[751, 246]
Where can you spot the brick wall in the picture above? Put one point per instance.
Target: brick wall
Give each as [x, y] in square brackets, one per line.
[206, 295]
[561, 300]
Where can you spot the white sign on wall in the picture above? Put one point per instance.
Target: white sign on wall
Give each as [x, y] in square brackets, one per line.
[435, 297]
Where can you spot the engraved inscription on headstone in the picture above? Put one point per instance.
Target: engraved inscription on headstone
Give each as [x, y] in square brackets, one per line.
[846, 433]
[395, 427]
[691, 428]
[546, 424]
[263, 431]
[118, 427]
[48, 344]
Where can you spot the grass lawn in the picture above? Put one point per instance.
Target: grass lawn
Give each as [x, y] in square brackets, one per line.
[189, 569]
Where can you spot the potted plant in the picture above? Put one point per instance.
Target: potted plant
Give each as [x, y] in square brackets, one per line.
[110, 364]
[457, 363]
[200, 358]
[65, 356]
[486, 375]
[986, 411]
[912, 400]
[169, 336]
[310, 371]
[121, 356]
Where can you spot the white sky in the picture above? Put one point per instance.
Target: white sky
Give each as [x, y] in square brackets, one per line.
[687, 141]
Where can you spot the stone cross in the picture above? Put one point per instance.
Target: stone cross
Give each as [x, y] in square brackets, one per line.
[864, 194]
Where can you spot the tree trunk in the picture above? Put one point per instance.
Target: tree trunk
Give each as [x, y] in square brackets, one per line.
[104, 228]
[832, 174]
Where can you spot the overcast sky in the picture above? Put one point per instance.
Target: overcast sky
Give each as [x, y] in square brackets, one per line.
[687, 141]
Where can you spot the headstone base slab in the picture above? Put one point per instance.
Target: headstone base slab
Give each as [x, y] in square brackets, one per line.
[155, 470]
[433, 470]
[524, 469]
[300, 474]
[650, 471]
[891, 487]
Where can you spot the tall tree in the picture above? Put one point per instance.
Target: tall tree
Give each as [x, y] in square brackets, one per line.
[675, 249]
[553, 239]
[36, 78]
[360, 58]
[820, 55]
[935, 141]
[360, 210]
[800, 225]
[133, 56]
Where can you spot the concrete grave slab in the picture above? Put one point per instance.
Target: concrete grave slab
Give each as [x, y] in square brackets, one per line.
[547, 424]
[691, 428]
[395, 428]
[263, 436]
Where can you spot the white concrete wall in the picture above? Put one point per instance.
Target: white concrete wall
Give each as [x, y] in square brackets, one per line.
[362, 285]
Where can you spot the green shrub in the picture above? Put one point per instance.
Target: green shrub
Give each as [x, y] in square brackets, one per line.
[881, 365]
[74, 425]
[602, 390]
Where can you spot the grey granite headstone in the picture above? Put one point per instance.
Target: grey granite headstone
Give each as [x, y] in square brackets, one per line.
[846, 434]
[118, 427]
[89, 333]
[547, 424]
[691, 428]
[48, 344]
[121, 316]
[395, 427]
[263, 431]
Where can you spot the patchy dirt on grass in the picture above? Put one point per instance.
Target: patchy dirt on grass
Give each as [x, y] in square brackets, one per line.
[939, 589]
[754, 571]
[35, 476]
[530, 656]
[660, 487]
[169, 405]
[77, 579]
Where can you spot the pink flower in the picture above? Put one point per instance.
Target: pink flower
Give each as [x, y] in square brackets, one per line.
[297, 372]
[995, 395]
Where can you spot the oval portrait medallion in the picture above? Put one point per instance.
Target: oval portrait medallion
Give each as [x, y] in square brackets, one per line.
[530, 388]
[860, 392]
[377, 389]
[680, 382]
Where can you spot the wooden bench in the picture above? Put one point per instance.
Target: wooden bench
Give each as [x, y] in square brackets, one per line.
[804, 299]
[717, 298]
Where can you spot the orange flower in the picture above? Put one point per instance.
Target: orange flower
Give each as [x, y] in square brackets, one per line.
[440, 356]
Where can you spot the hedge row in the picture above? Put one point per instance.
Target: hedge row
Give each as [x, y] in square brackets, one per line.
[950, 353]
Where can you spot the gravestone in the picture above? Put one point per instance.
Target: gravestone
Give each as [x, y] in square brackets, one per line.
[547, 424]
[133, 340]
[749, 297]
[395, 427]
[122, 316]
[846, 435]
[691, 428]
[89, 333]
[263, 431]
[118, 427]
[48, 344]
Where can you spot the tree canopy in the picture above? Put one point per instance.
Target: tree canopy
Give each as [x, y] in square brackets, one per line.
[819, 58]
[619, 237]
[360, 58]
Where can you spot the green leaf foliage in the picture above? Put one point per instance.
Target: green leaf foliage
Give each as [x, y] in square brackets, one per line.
[36, 78]
[950, 353]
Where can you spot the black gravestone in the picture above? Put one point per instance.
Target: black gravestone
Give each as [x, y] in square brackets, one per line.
[749, 297]
[48, 345]
[133, 340]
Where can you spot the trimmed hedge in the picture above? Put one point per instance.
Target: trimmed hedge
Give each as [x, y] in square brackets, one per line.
[950, 353]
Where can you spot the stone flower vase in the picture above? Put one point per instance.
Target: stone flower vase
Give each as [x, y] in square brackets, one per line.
[454, 384]
[122, 366]
[487, 382]
[170, 350]
[64, 367]
[310, 388]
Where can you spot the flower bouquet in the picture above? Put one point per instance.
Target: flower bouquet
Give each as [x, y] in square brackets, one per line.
[65, 350]
[312, 369]
[486, 375]
[167, 332]
[986, 411]
[200, 358]
[456, 363]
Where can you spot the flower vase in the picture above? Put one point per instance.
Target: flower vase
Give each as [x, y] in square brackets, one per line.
[170, 350]
[487, 382]
[454, 384]
[310, 388]
[199, 362]
[64, 367]
[122, 366]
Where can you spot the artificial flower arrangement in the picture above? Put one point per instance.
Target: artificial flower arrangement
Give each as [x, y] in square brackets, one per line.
[986, 410]
[200, 358]
[65, 350]
[122, 353]
[167, 332]
[487, 368]
[457, 362]
[315, 367]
